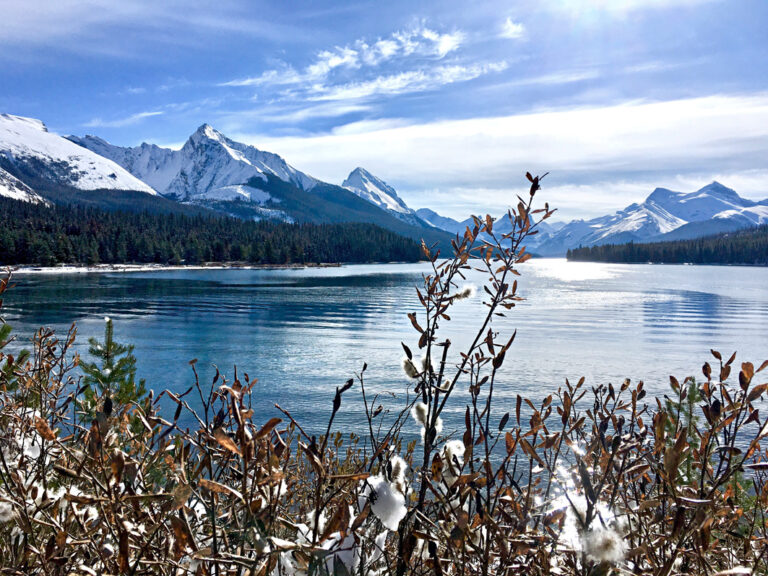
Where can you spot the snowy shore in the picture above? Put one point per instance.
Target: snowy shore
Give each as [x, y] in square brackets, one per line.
[110, 268]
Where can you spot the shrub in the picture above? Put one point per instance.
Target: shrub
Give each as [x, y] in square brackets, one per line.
[589, 481]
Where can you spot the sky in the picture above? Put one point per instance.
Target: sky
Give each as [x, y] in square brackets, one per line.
[451, 102]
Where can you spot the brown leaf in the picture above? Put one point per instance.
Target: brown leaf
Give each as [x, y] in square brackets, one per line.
[181, 494]
[756, 392]
[118, 464]
[214, 486]
[44, 430]
[511, 442]
[225, 441]
[268, 427]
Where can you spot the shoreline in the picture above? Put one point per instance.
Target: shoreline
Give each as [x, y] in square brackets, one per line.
[126, 268]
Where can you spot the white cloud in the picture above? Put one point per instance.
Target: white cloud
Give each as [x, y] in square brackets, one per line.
[406, 82]
[324, 110]
[602, 155]
[109, 27]
[121, 122]
[420, 41]
[512, 30]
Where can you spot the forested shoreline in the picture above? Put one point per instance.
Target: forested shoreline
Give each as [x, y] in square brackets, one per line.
[745, 247]
[72, 234]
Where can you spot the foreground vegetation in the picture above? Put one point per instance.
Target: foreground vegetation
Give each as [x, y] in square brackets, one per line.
[62, 234]
[748, 247]
[590, 481]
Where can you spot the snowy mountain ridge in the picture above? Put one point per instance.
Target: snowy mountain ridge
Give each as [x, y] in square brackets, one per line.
[26, 144]
[379, 193]
[209, 166]
[664, 215]
[12, 187]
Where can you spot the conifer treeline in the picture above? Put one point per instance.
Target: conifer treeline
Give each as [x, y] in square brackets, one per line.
[749, 247]
[36, 234]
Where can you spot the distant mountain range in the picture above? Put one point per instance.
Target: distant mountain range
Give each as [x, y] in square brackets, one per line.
[213, 172]
[664, 215]
[210, 172]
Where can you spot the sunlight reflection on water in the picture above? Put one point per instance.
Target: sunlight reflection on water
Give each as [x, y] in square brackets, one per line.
[303, 332]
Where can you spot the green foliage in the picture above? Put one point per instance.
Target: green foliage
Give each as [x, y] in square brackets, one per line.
[682, 416]
[744, 247]
[111, 375]
[37, 234]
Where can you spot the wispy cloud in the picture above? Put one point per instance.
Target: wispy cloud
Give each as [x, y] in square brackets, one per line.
[277, 115]
[420, 41]
[406, 82]
[121, 122]
[605, 156]
[512, 30]
[101, 25]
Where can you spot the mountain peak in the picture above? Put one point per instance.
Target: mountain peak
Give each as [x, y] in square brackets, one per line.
[660, 195]
[375, 190]
[714, 188]
[360, 171]
[28, 122]
[206, 132]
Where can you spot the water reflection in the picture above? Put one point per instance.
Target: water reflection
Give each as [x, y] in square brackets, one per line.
[303, 332]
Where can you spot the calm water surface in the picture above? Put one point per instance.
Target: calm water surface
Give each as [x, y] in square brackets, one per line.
[303, 332]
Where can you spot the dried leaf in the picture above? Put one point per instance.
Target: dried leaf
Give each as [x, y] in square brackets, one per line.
[225, 441]
[44, 430]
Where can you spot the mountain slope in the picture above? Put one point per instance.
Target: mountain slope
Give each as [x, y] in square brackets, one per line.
[664, 215]
[214, 171]
[443, 222]
[207, 167]
[27, 147]
[748, 246]
[379, 193]
[12, 187]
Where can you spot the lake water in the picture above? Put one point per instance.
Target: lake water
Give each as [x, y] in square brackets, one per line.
[303, 332]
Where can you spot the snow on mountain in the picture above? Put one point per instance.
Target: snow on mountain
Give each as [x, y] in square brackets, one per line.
[12, 187]
[545, 229]
[751, 216]
[154, 165]
[665, 214]
[368, 187]
[443, 222]
[207, 167]
[27, 144]
[375, 190]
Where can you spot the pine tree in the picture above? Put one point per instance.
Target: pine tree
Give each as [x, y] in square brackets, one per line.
[111, 378]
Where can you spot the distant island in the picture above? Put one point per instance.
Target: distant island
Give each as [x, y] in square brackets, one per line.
[744, 247]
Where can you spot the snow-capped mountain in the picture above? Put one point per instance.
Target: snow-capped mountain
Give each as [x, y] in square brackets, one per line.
[209, 166]
[503, 225]
[443, 222]
[216, 172]
[12, 187]
[664, 215]
[29, 151]
[381, 194]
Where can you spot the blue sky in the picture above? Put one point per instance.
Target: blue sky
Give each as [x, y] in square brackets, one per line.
[450, 101]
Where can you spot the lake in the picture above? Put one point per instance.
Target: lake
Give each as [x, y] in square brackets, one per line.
[303, 332]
